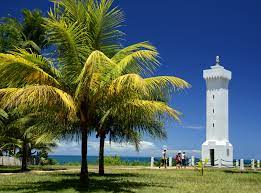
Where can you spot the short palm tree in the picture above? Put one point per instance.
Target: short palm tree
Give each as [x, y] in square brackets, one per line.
[29, 132]
[92, 69]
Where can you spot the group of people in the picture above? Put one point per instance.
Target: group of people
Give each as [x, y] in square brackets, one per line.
[180, 158]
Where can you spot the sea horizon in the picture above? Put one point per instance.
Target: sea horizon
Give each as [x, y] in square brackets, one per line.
[65, 159]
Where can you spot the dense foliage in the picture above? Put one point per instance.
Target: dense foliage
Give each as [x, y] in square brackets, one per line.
[94, 85]
[28, 33]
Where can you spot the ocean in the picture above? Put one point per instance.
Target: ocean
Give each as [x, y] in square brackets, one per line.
[63, 159]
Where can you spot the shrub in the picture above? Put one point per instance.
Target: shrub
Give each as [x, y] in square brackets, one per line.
[48, 161]
[116, 160]
[113, 160]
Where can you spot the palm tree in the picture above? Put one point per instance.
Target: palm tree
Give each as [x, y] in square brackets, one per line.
[3, 117]
[29, 33]
[134, 104]
[33, 30]
[10, 35]
[121, 132]
[92, 69]
[33, 131]
[46, 93]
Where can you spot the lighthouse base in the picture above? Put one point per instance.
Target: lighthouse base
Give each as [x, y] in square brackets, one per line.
[215, 150]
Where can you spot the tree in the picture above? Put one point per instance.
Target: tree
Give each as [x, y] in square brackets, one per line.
[10, 35]
[91, 64]
[49, 96]
[29, 33]
[33, 29]
[26, 133]
[128, 134]
[3, 117]
[142, 100]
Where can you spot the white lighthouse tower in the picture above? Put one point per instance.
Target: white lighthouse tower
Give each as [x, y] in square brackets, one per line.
[217, 146]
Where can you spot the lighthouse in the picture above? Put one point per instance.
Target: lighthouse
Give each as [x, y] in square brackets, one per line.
[217, 146]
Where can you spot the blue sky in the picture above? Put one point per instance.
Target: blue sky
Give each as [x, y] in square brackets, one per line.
[189, 34]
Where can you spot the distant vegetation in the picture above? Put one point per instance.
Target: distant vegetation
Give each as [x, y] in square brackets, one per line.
[116, 160]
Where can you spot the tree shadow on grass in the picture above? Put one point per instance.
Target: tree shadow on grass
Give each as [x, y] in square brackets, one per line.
[8, 169]
[242, 172]
[18, 170]
[108, 183]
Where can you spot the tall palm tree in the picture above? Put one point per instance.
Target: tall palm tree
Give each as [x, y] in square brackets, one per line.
[92, 69]
[49, 92]
[142, 100]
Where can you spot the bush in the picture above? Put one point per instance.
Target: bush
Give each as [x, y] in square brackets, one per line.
[116, 160]
[113, 160]
[73, 163]
[52, 161]
[48, 161]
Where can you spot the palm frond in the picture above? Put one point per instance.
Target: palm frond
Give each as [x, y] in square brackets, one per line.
[127, 135]
[29, 72]
[3, 117]
[170, 82]
[146, 108]
[128, 84]
[157, 88]
[93, 73]
[30, 43]
[104, 26]
[3, 114]
[38, 97]
[71, 40]
[44, 63]
[72, 10]
[141, 58]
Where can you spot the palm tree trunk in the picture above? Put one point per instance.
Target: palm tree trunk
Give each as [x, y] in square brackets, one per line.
[83, 115]
[101, 153]
[24, 156]
[84, 165]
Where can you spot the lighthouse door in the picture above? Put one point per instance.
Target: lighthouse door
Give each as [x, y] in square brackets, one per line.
[212, 157]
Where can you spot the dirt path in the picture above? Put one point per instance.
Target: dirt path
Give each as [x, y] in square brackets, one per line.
[42, 171]
[92, 170]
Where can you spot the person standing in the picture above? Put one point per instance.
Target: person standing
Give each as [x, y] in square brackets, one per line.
[184, 158]
[164, 158]
[178, 160]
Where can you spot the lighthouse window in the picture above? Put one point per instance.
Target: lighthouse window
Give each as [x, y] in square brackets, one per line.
[213, 125]
[213, 96]
[227, 152]
[213, 111]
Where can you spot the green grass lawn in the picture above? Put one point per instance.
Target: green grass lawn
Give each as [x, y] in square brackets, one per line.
[135, 180]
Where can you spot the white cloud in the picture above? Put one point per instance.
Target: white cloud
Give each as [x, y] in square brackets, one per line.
[194, 127]
[188, 151]
[73, 148]
[147, 148]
